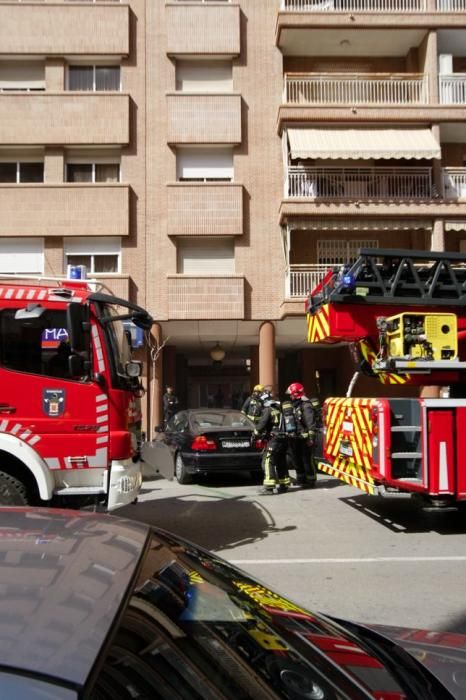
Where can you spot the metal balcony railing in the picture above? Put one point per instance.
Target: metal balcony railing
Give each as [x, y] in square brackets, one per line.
[454, 183]
[453, 89]
[353, 89]
[358, 5]
[451, 5]
[360, 183]
[301, 279]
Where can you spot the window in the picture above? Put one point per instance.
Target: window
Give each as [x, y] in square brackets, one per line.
[21, 256]
[99, 255]
[22, 76]
[206, 256]
[339, 252]
[21, 172]
[204, 76]
[93, 172]
[94, 78]
[204, 164]
[39, 347]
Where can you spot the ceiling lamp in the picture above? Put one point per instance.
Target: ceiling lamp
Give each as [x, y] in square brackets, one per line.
[217, 353]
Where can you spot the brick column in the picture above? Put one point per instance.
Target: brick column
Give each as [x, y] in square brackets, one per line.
[155, 374]
[55, 74]
[437, 241]
[437, 244]
[54, 165]
[437, 172]
[267, 354]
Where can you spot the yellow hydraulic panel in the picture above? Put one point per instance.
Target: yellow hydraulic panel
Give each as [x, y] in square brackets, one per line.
[420, 335]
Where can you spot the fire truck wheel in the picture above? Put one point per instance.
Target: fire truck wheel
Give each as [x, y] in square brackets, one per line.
[12, 491]
[181, 473]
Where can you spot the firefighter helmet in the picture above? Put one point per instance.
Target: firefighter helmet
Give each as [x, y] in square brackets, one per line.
[295, 390]
[259, 388]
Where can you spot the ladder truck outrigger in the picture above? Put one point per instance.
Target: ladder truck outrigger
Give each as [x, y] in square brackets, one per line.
[403, 313]
[70, 394]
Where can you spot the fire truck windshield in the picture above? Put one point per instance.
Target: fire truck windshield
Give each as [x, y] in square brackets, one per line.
[118, 341]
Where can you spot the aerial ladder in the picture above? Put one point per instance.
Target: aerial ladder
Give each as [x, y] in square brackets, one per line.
[403, 314]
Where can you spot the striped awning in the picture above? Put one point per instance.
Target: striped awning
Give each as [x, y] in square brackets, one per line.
[324, 224]
[363, 143]
[455, 226]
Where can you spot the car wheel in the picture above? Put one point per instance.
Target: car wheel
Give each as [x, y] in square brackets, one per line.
[12, 491]
[181, 472]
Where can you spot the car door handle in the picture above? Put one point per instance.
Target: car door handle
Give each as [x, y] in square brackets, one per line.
[6, 408]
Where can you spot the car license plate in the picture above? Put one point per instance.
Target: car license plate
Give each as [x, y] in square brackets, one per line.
[346, 449]
[235, 443]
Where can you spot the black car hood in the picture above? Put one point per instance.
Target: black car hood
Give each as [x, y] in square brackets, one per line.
[361, 662]
[443, 653]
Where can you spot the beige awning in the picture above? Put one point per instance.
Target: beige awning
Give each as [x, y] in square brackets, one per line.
[455, 226]
[363, 143]
[328, 224]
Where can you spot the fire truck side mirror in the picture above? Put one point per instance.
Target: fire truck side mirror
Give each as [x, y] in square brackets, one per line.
[76, 366]
[77, 321]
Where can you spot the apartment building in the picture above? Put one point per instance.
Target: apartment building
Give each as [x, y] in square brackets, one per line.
[210, 159]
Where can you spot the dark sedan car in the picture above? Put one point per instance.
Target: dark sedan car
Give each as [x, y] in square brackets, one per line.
[205, 441]
[102, 608]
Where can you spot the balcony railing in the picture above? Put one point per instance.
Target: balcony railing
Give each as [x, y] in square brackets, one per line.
[454, 183]
[360, 183]
[301, 279]
[451, 5]
[453, 89]
[352, 89]
[358, 5]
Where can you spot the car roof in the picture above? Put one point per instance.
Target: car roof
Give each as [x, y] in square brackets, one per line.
[62, 578]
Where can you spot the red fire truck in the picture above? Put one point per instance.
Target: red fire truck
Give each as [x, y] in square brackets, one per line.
[404, 315]
[70, 395]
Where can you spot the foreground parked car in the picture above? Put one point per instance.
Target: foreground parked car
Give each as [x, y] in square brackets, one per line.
[95, 606]
[204, 441]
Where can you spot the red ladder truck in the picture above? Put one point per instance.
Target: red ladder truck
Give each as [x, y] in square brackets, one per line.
[70, 391]
[403, 313]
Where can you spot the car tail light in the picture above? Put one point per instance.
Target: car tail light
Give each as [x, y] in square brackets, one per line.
[202, 444]
[260, 444]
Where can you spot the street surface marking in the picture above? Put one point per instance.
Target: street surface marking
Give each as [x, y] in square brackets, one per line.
[368, 560]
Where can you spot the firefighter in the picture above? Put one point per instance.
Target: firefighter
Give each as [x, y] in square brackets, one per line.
[170, 405]
[254, 404]
[302, 415]
[271, 426]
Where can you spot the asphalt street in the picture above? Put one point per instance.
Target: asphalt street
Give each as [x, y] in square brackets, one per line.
[331, 549]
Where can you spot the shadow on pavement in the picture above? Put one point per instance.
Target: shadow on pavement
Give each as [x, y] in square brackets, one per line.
[402, 515]
[214, 521]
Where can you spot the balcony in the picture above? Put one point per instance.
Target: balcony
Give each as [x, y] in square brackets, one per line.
[454, 183]
[64, 119]
[207, 297]
[359, 183]
[355, 89]
[452, 89]
[204, 209]
[301, 279]
[63, 29]
[203, 29]
[208, 118]
[64, 210]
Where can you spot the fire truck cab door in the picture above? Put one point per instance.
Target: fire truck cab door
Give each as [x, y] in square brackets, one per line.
[64, 418]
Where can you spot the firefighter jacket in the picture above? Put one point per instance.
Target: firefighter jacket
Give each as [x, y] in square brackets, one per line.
[253, 407]
[306, 417]
[271, 420]
[170, 405]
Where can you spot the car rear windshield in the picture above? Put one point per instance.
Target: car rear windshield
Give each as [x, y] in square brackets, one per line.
[228, 419]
